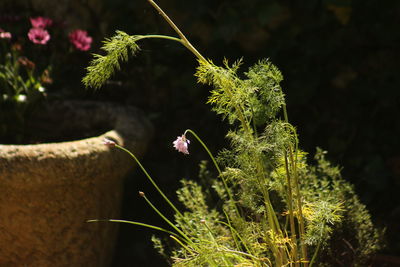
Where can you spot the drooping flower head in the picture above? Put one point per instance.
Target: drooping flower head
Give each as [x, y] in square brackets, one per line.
[39, 36]
[41, 22]
[80, 40]
[109, 142]
[181, 144]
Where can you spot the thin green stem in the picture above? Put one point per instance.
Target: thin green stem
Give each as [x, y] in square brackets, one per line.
[247, 129]
[254, 123]
[239, 110]
[270, 213]
[205, 148]
[135, 223]
[293, 160]
[216, 244]
[227, 189]
[243, 254]
[285, 114]
[235, 234]
[290, 204]
[315, 253]
[271, 216]
[155, 185]
[185, 41]
[299, 204]
[150, 179]
[183, 245]
[188, 240]
[158, 36]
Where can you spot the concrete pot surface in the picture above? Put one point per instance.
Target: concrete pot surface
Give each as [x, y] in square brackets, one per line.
[49, 190]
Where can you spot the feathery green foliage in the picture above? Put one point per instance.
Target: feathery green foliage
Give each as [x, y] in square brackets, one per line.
[355, 238]
[273, 208]
[118, 48]
[255, 99]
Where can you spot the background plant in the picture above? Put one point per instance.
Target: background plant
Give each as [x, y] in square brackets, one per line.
[264, 160]
[28, 58]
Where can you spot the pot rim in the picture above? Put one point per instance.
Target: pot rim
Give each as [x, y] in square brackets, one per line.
[124, 131]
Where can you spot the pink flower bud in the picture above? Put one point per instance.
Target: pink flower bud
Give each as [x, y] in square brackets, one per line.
[108, 142]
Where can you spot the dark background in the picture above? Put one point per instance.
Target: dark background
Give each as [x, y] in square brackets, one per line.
[340, 63]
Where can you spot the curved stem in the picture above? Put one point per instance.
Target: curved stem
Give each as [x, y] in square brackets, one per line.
[228, 191]
[185, 41]
[150, 179]
[135, 223]
[159, 36]
[166, 219]
[205, 147]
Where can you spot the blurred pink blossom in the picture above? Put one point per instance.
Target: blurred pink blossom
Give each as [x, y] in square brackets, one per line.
[80, 40]
[41, 22]
[108, 142]
[38, 36]
[181, 144]
[4, 34]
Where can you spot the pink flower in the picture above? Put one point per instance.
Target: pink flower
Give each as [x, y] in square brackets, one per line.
[38, 36]
[108, 142]
[41, 22]
[80, 40]
[4, 34]
[181, 144]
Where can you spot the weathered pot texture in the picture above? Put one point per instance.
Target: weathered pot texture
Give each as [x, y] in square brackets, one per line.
[50, 190]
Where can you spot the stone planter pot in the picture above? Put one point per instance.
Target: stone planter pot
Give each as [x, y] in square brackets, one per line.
[48, 191]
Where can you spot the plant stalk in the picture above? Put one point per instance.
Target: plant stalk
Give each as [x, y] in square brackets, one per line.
[228, 191]
[150, 179]
[185, 41]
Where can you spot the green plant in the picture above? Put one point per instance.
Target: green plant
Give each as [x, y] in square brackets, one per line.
[21, 89]
[27, 59]
[273, 208]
